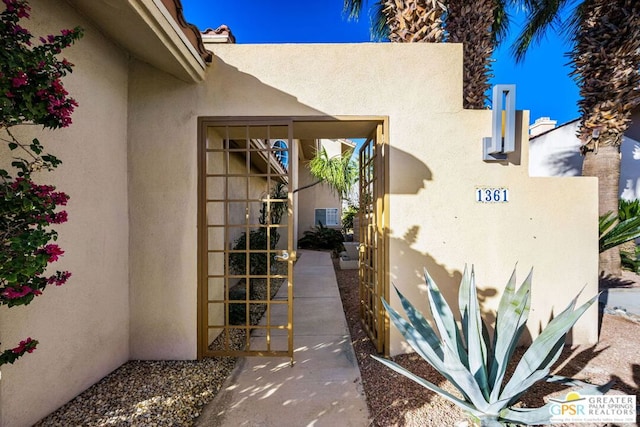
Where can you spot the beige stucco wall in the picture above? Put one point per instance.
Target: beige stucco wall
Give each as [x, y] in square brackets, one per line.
[436, 164]
[83, 326]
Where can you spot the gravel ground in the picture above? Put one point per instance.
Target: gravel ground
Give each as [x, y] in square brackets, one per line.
[145, 393]
[172, 393]
[158, 393]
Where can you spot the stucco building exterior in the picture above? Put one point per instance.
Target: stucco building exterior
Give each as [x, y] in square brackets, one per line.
[556, 152]
[131, 168]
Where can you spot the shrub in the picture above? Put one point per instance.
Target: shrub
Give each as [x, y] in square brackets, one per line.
[614, 233]
[31, 93]
[631, 260]
[347, 218]
[258, 237]
[321, 237]
[628, 209]
[257, 260]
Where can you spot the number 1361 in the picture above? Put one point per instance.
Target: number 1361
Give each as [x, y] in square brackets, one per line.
[492, 195]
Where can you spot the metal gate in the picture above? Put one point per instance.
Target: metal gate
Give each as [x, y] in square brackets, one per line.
[245, 238]
[373, 252]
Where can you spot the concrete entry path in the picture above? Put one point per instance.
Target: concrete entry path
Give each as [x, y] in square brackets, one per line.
[323, 388]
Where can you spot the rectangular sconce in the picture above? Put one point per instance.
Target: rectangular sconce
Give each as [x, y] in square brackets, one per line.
[503, 124]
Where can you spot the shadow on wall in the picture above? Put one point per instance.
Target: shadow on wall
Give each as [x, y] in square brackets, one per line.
[413, 175]
[242, 94]
[448, 281]
[565, 163]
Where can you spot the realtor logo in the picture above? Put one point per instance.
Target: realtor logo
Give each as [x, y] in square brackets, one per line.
[576, 408]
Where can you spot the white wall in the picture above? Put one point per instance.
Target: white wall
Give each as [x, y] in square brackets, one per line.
[556, 153]
[83, 326]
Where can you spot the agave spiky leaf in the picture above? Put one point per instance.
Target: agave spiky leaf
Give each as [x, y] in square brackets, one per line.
[463, 365]
[444, 320]
[543, 352]
[472, 327]
[428, 385]
[422, 326]
[541, 415]
[446, 363]
[511, 319]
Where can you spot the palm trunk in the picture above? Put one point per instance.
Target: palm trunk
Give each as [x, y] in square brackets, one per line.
[605, 165]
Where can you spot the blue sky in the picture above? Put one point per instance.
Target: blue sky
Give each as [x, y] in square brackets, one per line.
[542, 82]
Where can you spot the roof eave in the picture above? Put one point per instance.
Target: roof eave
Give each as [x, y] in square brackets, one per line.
[151, 32]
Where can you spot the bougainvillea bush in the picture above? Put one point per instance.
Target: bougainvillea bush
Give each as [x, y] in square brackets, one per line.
[31, 94]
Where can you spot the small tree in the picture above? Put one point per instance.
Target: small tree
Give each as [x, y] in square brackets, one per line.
[31, 93]
[339, 172]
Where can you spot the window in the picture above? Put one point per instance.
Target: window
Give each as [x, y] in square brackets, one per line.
[328, 217]
[283, 154]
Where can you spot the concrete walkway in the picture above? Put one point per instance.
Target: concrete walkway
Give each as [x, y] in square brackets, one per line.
[323, 388]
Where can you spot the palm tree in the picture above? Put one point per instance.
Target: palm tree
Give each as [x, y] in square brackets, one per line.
[340, 173]
[606, 66]
[479, 25]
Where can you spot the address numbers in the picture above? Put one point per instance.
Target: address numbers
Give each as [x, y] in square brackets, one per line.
[492, 195]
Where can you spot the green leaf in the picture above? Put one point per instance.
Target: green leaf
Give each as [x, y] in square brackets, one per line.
[620, 233]
[35, 146]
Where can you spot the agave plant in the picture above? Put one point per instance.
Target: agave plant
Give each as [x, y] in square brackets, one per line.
[476, 364]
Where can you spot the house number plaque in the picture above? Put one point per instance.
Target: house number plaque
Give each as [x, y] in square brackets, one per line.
[492, 195]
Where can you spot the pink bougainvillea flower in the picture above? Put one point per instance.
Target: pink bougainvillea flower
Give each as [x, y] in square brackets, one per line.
[11, 293]
[15, 293]
[27, 345]
[19, 80]
[56, 218]
[60, 278]
[59, 217]
[53, 251]
[59, 198]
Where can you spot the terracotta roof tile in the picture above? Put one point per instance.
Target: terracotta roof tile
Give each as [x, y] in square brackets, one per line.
[190, 31]
[222, 30]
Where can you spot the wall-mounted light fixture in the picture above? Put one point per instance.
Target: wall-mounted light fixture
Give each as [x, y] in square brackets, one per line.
[503, 124]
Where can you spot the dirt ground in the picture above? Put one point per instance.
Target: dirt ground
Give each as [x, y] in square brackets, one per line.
[397, 401]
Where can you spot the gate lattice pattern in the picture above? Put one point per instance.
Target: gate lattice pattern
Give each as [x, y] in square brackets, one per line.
[372, 279]
[245, 228]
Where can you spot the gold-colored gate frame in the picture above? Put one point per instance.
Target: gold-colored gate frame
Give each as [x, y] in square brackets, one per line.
[207, 121]
[373, 266]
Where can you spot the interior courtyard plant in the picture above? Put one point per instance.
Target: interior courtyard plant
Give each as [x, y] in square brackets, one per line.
[31, 94]
[475, 363]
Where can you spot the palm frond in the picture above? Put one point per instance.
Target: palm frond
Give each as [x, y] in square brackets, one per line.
[352, 8]
[542, 15]
[339, 172]
[614, 233]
